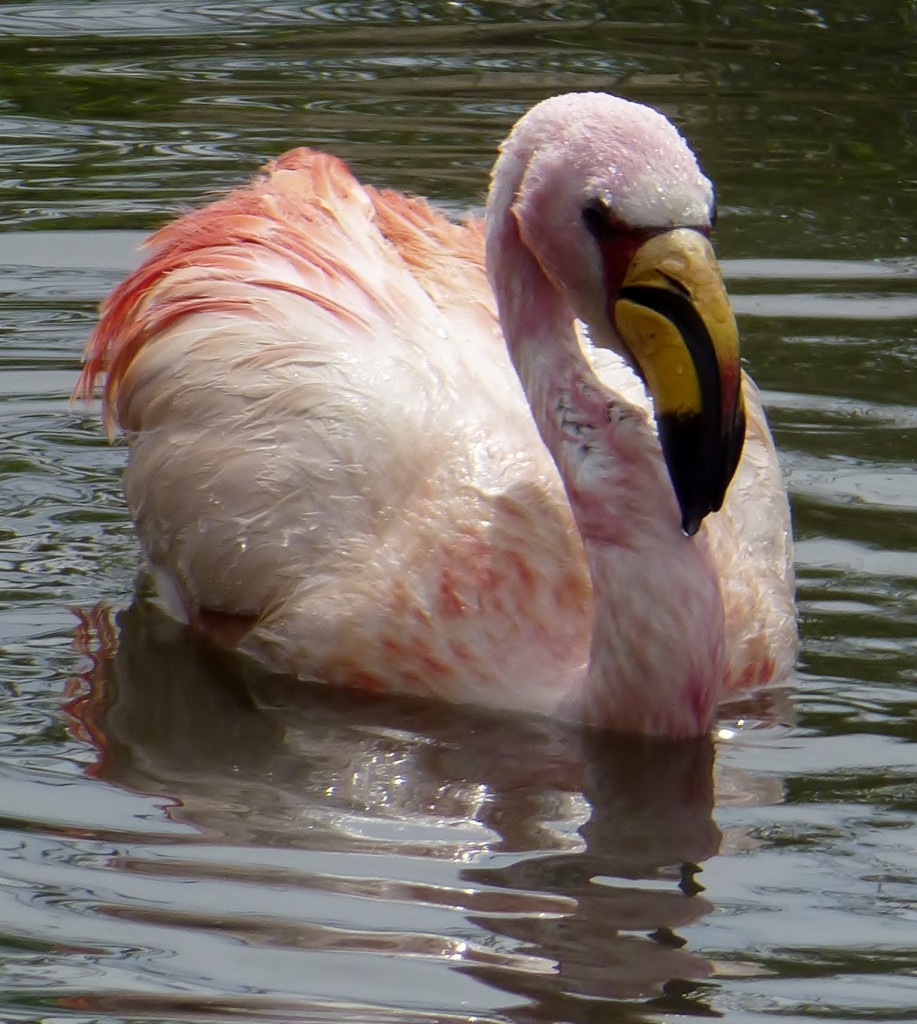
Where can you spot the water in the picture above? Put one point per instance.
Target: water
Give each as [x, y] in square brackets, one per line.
[184, 840]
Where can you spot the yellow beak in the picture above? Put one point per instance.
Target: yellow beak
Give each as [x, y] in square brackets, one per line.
[674, 318]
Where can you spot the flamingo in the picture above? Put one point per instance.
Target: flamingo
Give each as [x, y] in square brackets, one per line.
[514, 463]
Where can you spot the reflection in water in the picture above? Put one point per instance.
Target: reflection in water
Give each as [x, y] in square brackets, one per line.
[567, 859]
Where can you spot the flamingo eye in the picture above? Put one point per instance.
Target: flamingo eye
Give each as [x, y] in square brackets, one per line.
[598, 218]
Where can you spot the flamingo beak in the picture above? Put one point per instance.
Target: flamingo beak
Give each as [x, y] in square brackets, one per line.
[674, 317]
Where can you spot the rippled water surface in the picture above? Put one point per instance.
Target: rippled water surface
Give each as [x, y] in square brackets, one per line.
[179, 840]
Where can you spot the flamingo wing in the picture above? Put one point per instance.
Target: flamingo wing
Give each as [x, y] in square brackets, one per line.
[331, 460]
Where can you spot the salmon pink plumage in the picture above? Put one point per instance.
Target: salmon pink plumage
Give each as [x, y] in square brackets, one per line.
[362, 457]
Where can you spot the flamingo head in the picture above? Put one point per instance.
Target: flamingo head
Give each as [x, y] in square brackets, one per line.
[608, 199]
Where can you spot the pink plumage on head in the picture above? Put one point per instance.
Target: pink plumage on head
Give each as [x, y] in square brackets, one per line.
[613, 144]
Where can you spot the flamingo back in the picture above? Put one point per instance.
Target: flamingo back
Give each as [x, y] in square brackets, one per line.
[329, 446]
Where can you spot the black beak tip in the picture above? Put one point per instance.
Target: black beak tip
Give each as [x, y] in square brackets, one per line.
[700, 463]
[690, 523]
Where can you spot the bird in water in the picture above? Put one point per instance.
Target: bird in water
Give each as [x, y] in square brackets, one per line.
[514, 463]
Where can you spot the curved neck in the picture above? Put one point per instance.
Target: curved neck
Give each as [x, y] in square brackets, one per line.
[656, 660]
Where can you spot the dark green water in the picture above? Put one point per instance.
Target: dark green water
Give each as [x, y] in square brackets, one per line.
[170, 851]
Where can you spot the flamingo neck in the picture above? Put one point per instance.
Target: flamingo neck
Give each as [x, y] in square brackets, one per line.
[657, 651]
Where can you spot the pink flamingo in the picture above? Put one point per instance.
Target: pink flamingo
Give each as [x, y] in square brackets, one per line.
[360, 457]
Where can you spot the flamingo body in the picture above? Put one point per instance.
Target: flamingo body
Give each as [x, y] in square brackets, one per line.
[340, 463]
